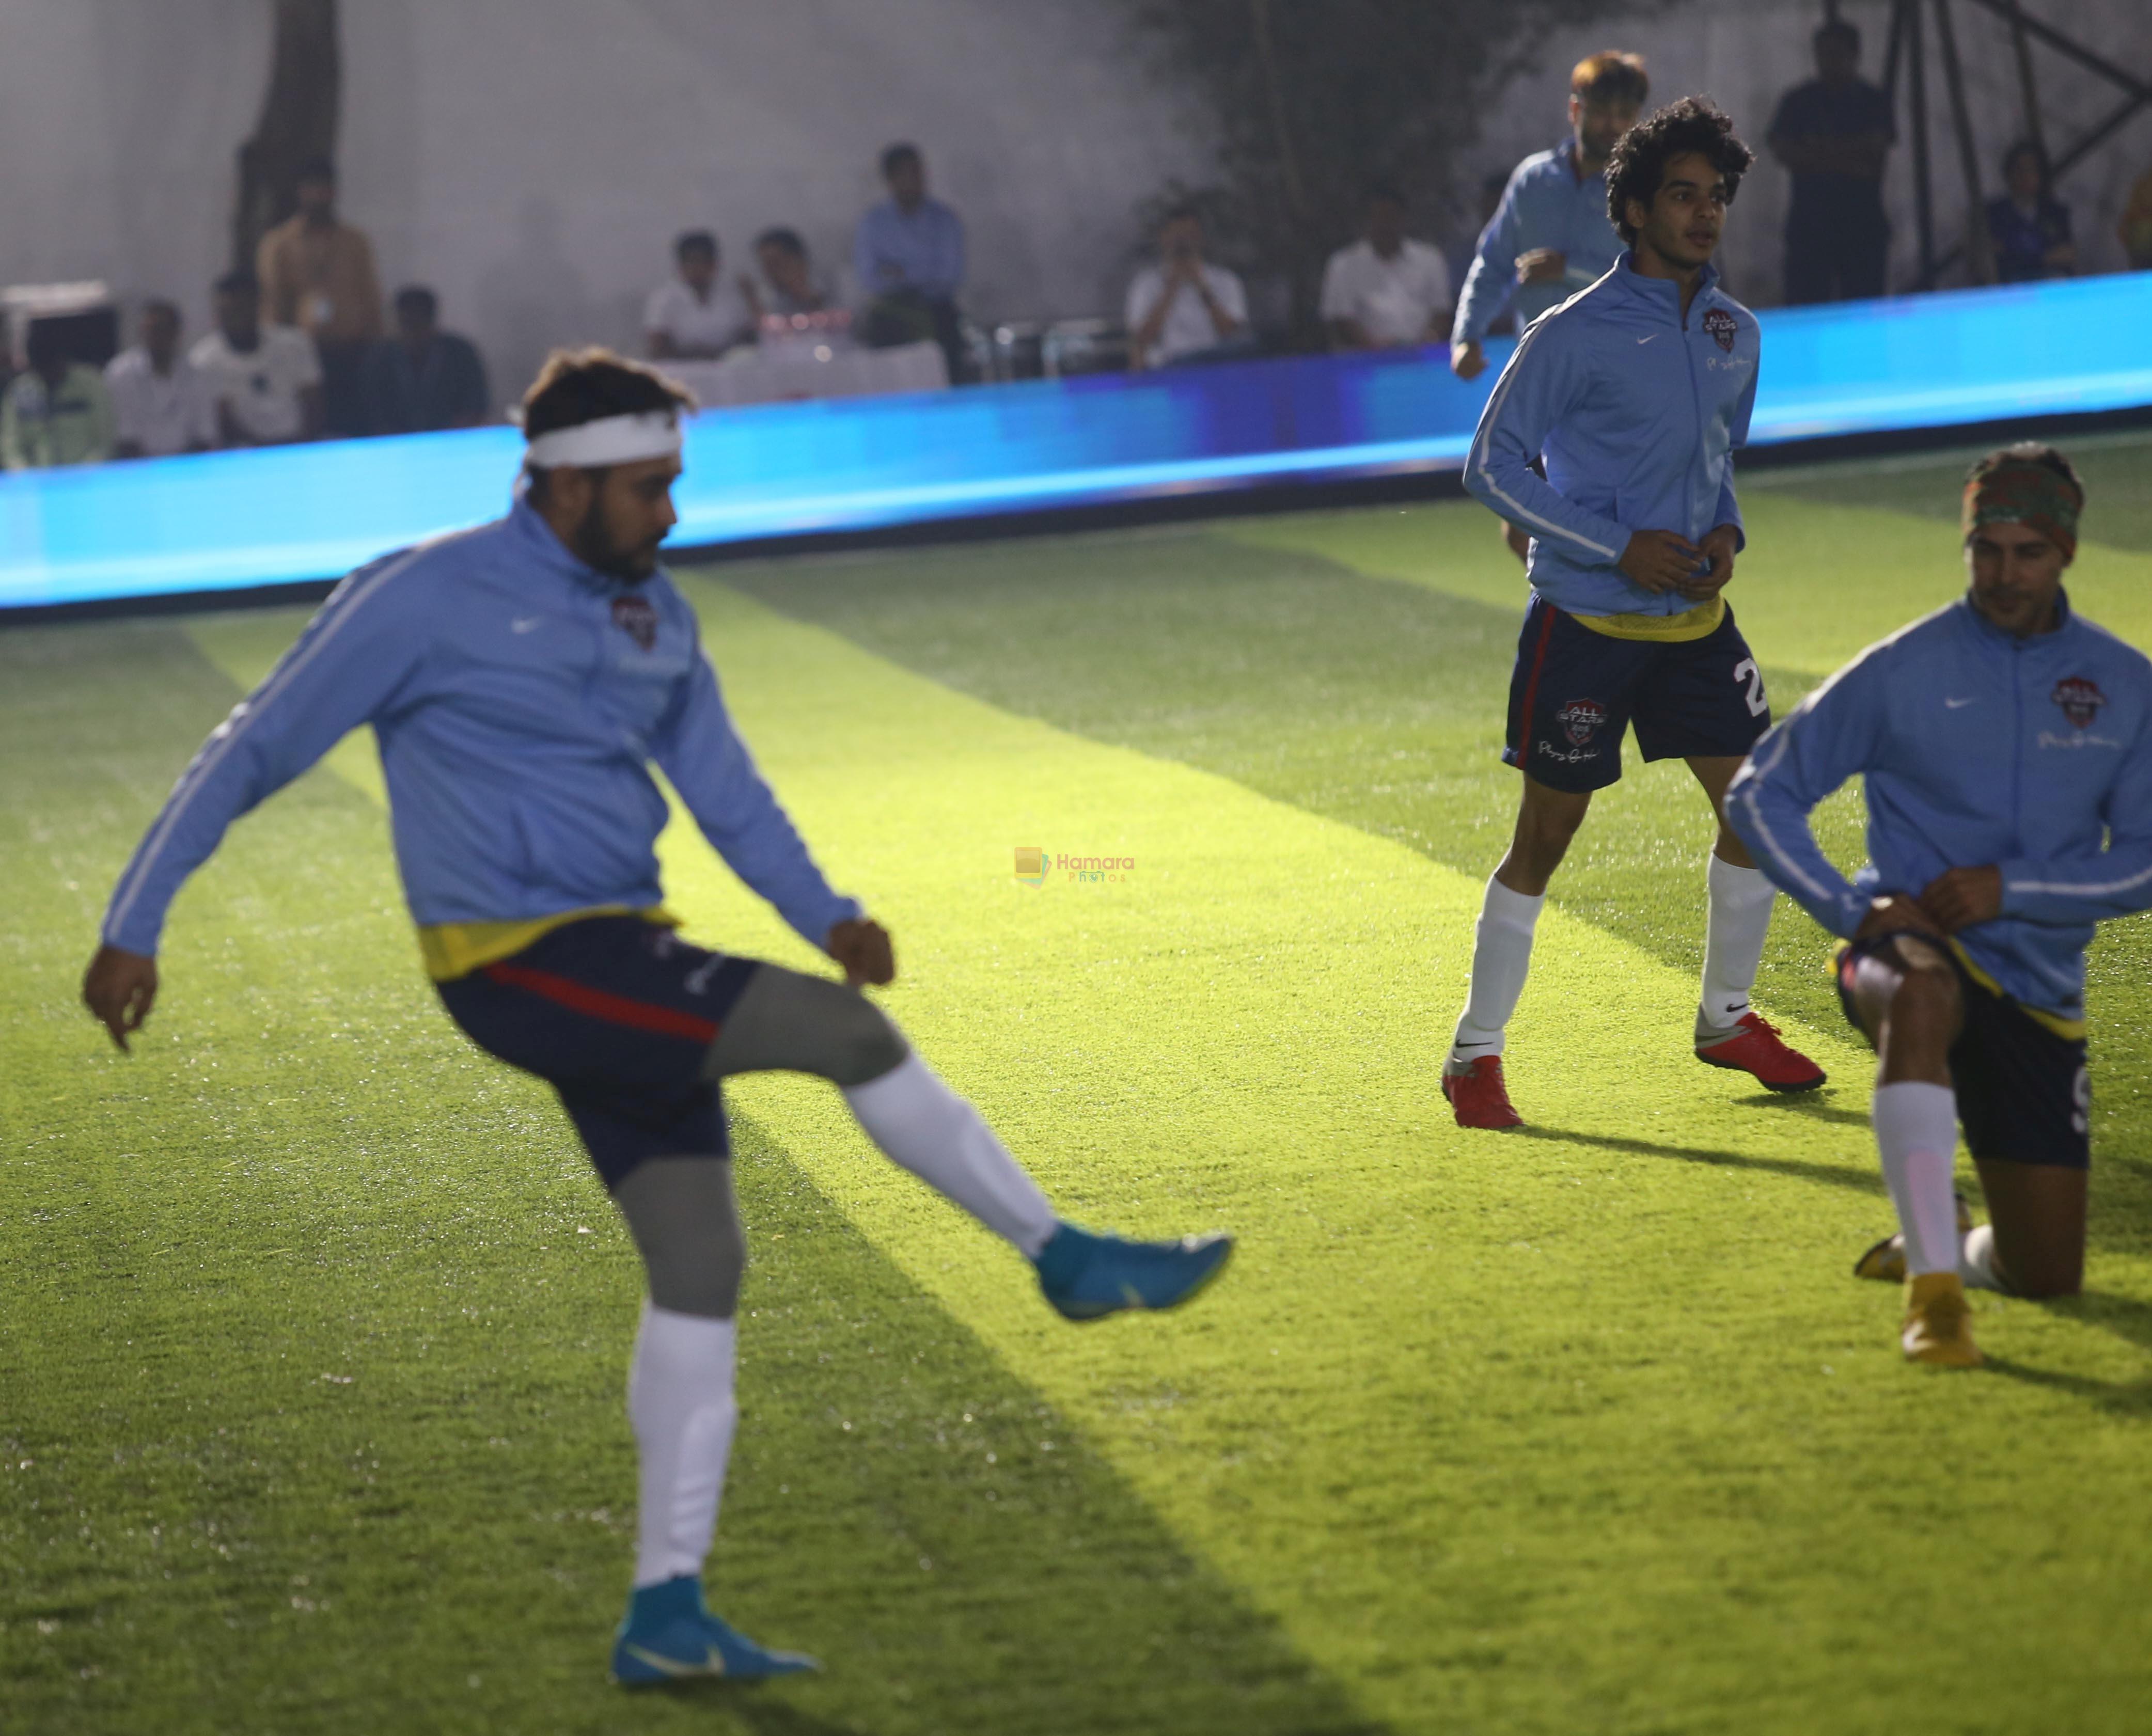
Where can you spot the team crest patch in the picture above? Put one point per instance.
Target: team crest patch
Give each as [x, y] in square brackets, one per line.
[1721, 325]
[2080, 699]
[634, 616]
[1580, 720]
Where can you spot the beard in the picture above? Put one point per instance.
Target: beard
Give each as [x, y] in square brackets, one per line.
[596, 546]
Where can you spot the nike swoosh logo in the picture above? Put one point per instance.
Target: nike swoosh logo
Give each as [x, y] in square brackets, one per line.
[712, 1664]
[1646, 340]
[526, 623]
[1953, 704]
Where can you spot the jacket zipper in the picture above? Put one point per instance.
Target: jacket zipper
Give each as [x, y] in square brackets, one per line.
[2018, 748]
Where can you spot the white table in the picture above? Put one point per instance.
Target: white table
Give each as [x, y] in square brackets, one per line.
[781, 373]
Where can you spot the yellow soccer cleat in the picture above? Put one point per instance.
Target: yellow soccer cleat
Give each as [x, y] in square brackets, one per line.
[1938, 1326]
[1886, 1260]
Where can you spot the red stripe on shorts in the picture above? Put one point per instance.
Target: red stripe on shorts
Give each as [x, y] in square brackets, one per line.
[1532, 682]
[614, 1009]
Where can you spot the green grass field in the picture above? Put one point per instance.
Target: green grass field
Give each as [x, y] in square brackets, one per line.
[313, 1324]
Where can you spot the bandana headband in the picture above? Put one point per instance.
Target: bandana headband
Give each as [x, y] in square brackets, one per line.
[2026, 494]
[609, 440]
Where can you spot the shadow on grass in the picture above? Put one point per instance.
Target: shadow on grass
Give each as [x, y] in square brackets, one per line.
[2124, 1398]
[1808, 1105]
[1861, 1182]
[753, 1706]
[905, 1507]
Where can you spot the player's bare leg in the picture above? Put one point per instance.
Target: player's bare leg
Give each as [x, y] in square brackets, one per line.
[2034, 1239]
[1547, 820]
[1907, 997]
[1729, 1032]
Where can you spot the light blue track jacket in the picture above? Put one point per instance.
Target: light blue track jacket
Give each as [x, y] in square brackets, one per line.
[1543, 205]
[1636, 413]
[519, 698]
[1978, 748]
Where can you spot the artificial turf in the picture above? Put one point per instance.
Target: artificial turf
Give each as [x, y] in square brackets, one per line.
[315, 1323]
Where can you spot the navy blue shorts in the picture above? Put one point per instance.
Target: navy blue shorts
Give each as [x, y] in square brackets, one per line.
[616, 1014]
[1575, 692]
[2024, 1092]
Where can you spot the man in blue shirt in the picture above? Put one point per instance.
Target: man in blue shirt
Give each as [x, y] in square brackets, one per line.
[1833, 134]
[1550, 236]
[908, 253]
[2005, 743]
[1633, 395]
[521, 679]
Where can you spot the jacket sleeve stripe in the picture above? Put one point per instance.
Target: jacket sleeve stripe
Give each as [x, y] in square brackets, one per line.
[2108, 888]
[1516, 508]
[1746, 800]
[230, 732]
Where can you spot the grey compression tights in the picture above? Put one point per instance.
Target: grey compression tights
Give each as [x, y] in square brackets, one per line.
[682, 1210]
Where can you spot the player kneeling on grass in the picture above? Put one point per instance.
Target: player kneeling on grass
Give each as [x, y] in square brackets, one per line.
[521, 679]
[1633, 394]
[2007, 746]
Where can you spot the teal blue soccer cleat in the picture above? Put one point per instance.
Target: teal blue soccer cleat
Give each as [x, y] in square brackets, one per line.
[1088, 1276]
[667, 1635]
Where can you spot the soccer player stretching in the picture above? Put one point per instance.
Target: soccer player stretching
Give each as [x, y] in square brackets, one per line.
[521, 678]
[2007, 746]
[1634, 392]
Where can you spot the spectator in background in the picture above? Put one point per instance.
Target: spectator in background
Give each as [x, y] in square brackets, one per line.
[2029, 226]
[161, 404]
[317, 274]
[788, 282]
[1832, 134]
[1551, 236]
[266, 379]
[1384, 290]
[695, 316]
[1183, 308]
[2134, 229]
[908, 252]
[56, 411]
[423, 378]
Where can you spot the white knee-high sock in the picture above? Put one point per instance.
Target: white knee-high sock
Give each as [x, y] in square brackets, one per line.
[925, 1127]
[1501, 955]
[1916, 1135]
[680, 1399]
[1734, 939]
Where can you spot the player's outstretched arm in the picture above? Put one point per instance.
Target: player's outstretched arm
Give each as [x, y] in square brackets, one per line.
[120, 988]
[699, 750]
[1829, 737]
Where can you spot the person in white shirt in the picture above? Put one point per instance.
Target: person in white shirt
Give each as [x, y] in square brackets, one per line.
[162, 404]
[1183, 306]
[696, 317]
[266, 379]
[1385, 291]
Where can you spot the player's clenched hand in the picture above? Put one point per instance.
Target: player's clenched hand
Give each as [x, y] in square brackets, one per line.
[1661, 560]
[1468, 360]
[1719, 549]
[1963, 896]
[120, 988]
[1541, 264]
[1895, 913]
[863, 948]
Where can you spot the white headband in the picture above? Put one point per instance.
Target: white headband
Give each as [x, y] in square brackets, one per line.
[609, 440]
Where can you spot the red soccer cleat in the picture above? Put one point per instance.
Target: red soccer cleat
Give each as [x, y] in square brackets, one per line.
[1754, 1046]
[1477, 1093]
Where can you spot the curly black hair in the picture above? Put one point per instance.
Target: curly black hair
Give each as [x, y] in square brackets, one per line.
[1639, 163]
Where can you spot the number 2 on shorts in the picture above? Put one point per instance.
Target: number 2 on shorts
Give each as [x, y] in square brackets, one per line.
[1746, 670]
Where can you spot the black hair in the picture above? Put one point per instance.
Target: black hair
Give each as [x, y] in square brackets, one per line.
[1186, 211]
[240, 282]
[903, 151]
[784, 239]
[1378, 191]
[2029, 452]
[694, 241]
[1638, 165]
[417, 298]
[161, 304]
[577, 386]
[1843, 30]
[316, 168]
